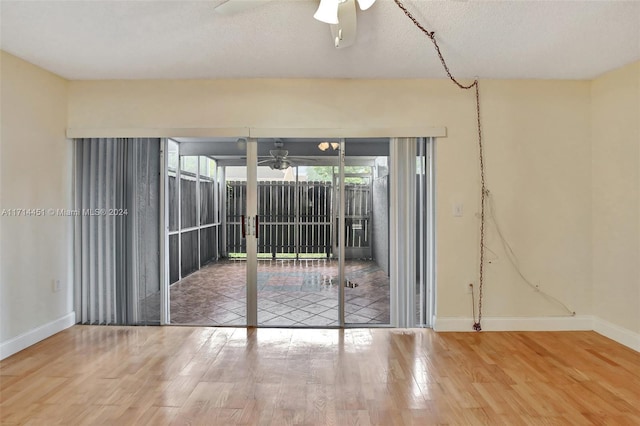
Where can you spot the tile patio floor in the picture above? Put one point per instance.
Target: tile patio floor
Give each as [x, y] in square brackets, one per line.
[291, 293]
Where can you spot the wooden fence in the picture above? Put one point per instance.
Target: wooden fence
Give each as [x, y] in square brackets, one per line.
[296, 218]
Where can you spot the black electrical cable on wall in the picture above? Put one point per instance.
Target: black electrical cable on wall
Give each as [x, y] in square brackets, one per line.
[483, 189]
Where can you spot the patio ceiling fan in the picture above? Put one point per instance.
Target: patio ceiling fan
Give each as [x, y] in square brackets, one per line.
[279, 158]
[339, 14]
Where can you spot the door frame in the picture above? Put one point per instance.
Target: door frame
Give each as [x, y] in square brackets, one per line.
[251, 230]
[400, 316]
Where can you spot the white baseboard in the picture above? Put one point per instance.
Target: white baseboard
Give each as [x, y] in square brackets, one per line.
[614, 332]
[581, 322]
[621, 335]
[32, 337]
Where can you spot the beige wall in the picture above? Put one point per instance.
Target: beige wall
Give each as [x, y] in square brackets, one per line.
[35, 173]
[562, 158]
[537, 154]
[562, 166]
[615, 118]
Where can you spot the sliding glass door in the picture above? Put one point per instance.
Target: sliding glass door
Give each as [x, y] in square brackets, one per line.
[295, 232]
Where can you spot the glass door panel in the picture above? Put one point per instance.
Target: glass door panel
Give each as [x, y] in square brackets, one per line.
[207, 255]
[297, 273]
[366, 229]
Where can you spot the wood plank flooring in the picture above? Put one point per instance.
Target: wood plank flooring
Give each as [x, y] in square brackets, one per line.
[234, 376]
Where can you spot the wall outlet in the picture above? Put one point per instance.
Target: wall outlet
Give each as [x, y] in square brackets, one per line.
[55, 286]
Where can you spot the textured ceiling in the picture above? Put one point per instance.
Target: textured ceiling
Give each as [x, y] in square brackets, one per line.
[94, 39]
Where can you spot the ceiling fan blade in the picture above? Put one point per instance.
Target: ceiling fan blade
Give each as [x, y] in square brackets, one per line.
[231, 7]
[344, 33]
[302, 160]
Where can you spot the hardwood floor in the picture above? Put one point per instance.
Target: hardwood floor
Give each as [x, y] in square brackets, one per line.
[227, 376]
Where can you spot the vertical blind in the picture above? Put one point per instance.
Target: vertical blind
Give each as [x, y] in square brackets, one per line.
[116, 231]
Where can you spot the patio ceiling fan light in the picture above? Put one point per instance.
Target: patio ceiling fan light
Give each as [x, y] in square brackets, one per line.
[281, 164]
[323, 146]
